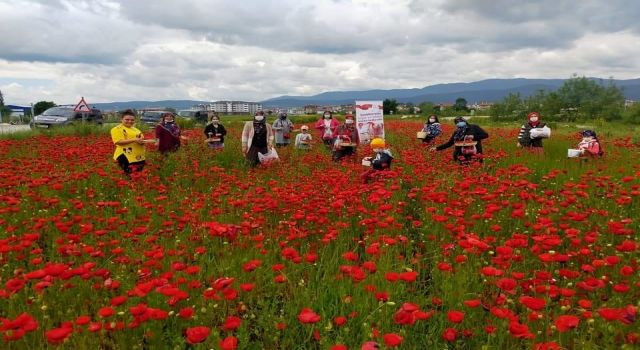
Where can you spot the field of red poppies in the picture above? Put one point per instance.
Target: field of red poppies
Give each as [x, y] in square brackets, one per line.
[529, 251]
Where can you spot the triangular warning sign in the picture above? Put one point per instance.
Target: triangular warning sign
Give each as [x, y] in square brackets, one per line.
[82, 106]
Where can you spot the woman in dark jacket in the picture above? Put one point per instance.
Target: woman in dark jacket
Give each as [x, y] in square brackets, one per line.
[467, 139]
[168, 134]
[215, 132]
[524, 136]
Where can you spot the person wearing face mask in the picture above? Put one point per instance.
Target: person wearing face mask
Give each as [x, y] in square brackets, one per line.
[215, 132]
[282, 128]
[346, 139]
[532, 133]
[433, 129]
[590, 145]
[327, 127]
[467, 139]
[257, 137]
[168, 134]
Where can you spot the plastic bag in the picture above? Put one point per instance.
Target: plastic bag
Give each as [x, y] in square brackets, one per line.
[270, 156]
[543, 132]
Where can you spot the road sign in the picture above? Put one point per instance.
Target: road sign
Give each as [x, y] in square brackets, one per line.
[82, 106]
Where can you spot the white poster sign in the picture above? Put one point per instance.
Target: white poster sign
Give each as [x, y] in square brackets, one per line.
[369, 120]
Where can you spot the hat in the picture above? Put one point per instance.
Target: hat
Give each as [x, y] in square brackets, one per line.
[377, 143]
[589, 133]
[348, 116]
[304, 127]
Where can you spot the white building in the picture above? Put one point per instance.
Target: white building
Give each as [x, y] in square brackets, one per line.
[234, 107]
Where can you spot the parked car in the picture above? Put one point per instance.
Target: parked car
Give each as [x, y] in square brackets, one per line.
[153, 117]
[65, 115]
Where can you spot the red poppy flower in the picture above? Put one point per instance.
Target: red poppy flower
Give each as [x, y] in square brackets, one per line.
[308, 316]
[566, 322]
[58, 335]
[392, 340]
[232, 323]
[535, 304]
[455, 316]
[229, 343]
[450, 335]
[197, 334]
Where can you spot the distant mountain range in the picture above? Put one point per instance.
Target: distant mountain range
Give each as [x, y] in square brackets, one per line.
[490, 90]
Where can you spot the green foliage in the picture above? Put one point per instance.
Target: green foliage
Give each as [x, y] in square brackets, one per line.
[632, 114]
[460, 105]
[579, 98]
[389, 106]
[42, 106]
[427, 108]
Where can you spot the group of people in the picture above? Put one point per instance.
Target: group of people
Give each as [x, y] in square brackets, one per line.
[467, 138]
[258, 137]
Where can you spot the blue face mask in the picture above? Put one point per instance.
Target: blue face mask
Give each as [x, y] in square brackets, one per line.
[461, 124]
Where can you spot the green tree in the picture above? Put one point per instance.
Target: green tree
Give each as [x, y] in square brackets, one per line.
[460, 105]
[389, 106]
[42, 106]
[1, 99]
[591, 99]
[510, 108]
[427, 108]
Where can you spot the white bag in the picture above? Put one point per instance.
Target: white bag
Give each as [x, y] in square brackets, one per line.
[270, 156]
[574, 153]
[543, 132]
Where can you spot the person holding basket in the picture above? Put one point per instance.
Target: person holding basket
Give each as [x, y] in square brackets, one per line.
[215, 132]
[345, 139]
[430, 131]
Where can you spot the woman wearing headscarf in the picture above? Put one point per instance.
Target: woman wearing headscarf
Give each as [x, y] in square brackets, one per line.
[282, 128]
[346, 139]
[215, 132]
[467, 139]
[327, 126]
[529, 135]
[257, 137]
[432, 128]
[168, 134]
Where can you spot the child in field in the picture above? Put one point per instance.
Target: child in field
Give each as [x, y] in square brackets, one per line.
[303, 139]
[590, 145]
[380, 161]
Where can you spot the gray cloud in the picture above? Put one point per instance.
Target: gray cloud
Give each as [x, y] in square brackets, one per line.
[110, 50]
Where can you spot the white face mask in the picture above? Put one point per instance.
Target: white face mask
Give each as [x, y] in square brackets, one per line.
[533, 119]
[432, 120]
[259, 118]
[349, 121]
[327, 116]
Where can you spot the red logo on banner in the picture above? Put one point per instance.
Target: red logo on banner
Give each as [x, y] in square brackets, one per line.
[82, 106]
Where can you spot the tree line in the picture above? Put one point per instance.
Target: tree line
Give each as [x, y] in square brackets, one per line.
[579, 98]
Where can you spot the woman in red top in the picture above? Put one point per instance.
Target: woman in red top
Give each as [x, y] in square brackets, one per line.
[346, 139]
[327, 126]
[168, 134]
[590, 145]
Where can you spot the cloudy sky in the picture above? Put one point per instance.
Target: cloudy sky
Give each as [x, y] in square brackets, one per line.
[117, 50]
